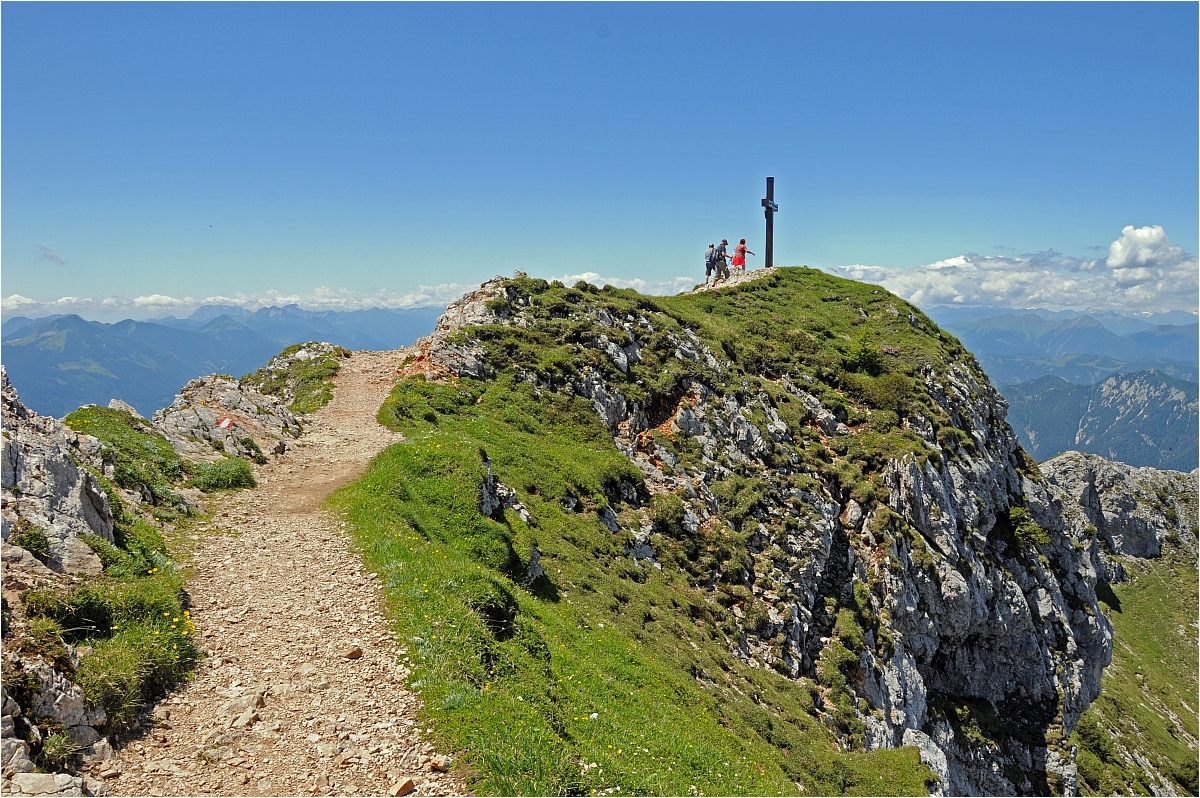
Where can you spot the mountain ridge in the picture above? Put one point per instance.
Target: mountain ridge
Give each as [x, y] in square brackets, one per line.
[62, 362]
[1142, 419]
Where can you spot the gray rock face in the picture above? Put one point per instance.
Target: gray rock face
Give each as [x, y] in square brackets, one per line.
[437, 358]
[215, 415]
[125, 407]
[496, 497]
[60, 702]
[1133, 510]
[43, 485]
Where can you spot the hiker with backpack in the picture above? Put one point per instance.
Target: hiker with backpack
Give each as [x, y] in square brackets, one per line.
[739, 256]
[719, 262]
[710, 259]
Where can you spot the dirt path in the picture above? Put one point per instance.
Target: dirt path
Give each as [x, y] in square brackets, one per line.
[279, 709]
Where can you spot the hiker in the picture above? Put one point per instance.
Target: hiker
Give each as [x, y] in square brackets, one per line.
[739, 256]
[710, 257]
[719, 261]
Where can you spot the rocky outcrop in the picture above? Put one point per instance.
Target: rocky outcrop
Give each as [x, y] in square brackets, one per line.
[53, 705]
[46, 487]
[217, 415]
[735, 278]
[985, 641]
[1132, 510]
[285, 374]
[436, 357]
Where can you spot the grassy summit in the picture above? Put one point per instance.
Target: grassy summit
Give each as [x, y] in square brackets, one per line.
[546, 653]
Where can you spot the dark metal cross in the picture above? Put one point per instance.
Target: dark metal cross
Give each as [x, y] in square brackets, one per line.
[770, 208]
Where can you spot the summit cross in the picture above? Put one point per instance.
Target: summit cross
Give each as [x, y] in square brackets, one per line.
[770, 208]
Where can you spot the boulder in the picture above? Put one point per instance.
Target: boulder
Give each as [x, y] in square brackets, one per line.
[217, 415]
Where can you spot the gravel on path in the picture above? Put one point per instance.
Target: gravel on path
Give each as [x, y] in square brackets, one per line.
[303, 691]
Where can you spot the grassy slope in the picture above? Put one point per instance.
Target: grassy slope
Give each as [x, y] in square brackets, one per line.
[1153, 675]
[512, 675]
[144, 461]
[141, 456]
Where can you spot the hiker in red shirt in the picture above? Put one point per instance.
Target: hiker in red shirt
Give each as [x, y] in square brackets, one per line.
[739, 256]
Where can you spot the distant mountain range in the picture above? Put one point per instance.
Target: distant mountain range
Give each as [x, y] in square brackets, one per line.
[61, 362]
[1143, 419]
[1019, 347]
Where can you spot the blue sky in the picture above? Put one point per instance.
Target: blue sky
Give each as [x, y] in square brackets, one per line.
[396, 153]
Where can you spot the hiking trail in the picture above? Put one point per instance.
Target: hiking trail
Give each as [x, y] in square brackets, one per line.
[302, 692]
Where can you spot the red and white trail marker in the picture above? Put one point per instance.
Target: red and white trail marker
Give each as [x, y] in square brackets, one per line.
[225, 422]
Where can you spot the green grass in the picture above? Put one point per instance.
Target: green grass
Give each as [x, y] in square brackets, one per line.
[133, 617]
[30, 537]
[141, 456]
[229, 474]
[309, 383]
[1153, 674]
[511, 673]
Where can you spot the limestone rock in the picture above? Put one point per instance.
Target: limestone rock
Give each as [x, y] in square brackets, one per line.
[215, 415]
[438, 359]
[44, 487]
[125, 407]
[496, 497]
[61, 701]
[46, 784]
[401, 788]
[1134, 510]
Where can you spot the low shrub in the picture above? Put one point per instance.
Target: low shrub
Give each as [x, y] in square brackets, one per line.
[1024, 527]
[57, 750]
[138, 662]
[81, 613]
[230, 473]
[31, 538]
[667, 515]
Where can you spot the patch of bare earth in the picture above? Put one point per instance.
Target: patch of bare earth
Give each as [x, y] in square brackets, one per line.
[302, 692]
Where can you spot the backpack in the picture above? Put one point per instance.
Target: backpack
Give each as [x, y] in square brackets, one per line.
[710, 256]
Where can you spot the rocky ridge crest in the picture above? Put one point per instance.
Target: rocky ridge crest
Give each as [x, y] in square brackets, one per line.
[1127, 511]
[989, 642]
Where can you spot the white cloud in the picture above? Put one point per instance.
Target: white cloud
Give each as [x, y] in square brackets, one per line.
[161, 301]
[1143, 246]
[1144, 271]
[15, 302]
[322, 298]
